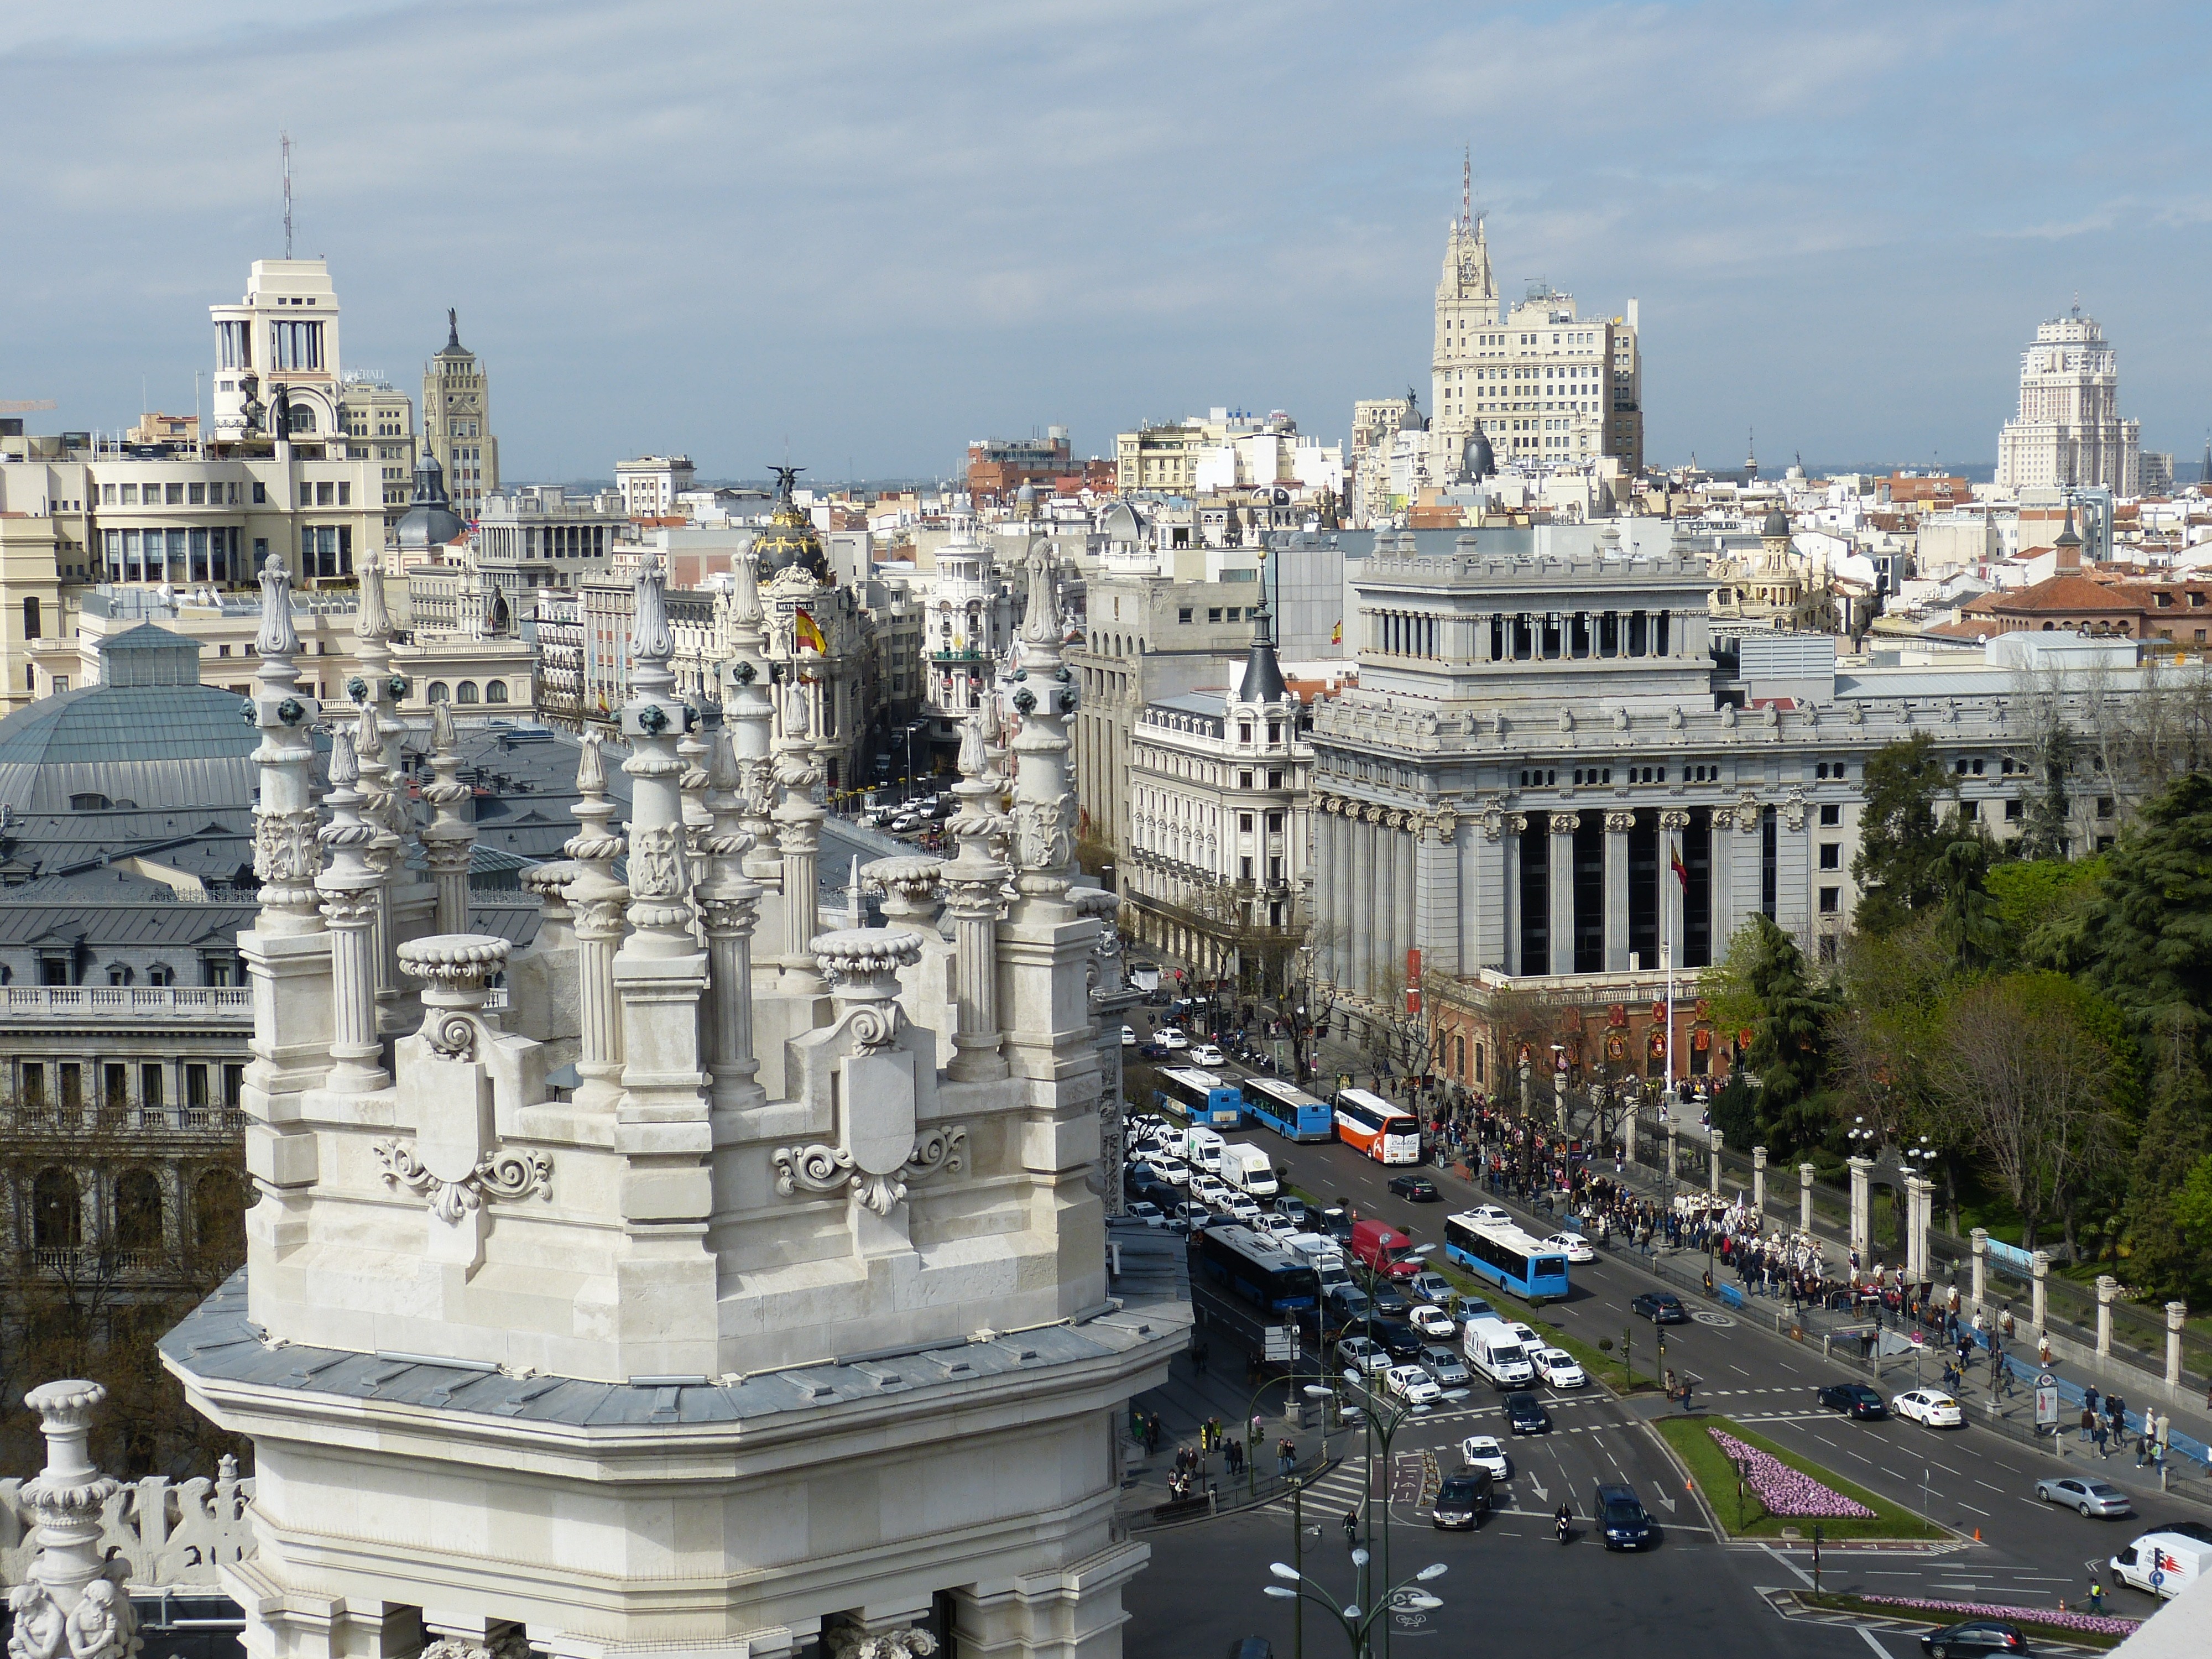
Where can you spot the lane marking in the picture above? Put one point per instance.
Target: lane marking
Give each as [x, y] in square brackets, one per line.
[1803, 1577]
[1984, 1514]
[1871, 1642]
[1979, 1481]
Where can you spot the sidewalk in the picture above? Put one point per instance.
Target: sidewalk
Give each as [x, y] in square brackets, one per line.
[1182, 1404]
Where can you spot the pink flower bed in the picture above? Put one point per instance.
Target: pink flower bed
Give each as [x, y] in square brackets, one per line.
[2094, 1624]
[1782, 1489]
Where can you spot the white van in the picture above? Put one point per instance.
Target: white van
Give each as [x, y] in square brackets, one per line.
[2178, 1560]
[1204, 1151]
[1495, 1353]
[1248, 1169]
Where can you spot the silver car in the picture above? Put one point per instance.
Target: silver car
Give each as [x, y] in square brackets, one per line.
[1447, 1367]
[2080, 1493]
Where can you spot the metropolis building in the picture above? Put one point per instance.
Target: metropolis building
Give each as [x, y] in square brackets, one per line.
[740, 1288]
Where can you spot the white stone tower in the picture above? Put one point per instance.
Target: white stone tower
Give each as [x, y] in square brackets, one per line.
[722, 1350]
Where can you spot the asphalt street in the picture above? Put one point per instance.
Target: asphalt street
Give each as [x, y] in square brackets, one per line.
[2028, 1554]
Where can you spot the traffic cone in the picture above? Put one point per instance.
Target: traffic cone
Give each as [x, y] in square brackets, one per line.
[1977, 1535]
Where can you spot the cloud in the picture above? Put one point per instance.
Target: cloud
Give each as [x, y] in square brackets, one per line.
[880, 230]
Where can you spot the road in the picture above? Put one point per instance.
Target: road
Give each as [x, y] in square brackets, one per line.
[2029, 1554]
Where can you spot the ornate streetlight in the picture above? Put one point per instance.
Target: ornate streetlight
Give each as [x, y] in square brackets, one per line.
[1358, 1622]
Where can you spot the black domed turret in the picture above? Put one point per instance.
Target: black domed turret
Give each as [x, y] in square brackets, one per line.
[2066, 536]
[430, 521]
[1478, 460]
[790, 538]
[1777, 527]
[1263, 675]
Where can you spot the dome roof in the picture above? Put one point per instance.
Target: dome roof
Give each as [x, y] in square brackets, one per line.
[150, 734]
[1478, 460]
[1122, 524]
[790, 538]
[1777, 527]
[430, 521]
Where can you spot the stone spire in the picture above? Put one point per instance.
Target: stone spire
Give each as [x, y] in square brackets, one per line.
[73, 1602]
[285, 853]
[653, 720]
[752, 718]
[798, 818]
[377, 810]
[974, 885]
[349, 890]
[729, 906]
[449, 839]
[599, 901]
[1044, 696]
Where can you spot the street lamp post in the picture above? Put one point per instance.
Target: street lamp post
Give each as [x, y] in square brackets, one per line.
[1358, 1621]
[1383, 1421]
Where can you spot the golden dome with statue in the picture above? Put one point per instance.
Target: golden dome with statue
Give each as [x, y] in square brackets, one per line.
[790, 540]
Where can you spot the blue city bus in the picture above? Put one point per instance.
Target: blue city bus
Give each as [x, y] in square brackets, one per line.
[1289, 1110]
[1508, 1257]
[1200, 1098]
[1249, 1265]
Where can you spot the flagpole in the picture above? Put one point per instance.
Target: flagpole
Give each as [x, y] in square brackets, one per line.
[1667, 961]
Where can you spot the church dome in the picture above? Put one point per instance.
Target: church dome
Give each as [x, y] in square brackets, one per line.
[790, 538]
[1777, 527]
[430, 521]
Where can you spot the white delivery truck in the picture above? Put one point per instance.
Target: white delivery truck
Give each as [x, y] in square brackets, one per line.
[2177, 1562]
[1246, 1168]
[1494, 1352]
[1205, 1152]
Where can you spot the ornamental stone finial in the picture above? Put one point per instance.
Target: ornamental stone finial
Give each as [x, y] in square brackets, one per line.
[71, 1603]
[372, 621]
[277, 637]
[652, 641]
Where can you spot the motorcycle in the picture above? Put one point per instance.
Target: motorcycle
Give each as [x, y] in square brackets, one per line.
[1565, 1529]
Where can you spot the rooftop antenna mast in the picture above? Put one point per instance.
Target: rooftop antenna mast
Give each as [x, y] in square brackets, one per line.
[286, 138]
[1466, 188]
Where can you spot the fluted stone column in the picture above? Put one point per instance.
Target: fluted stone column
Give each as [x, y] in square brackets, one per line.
[1384, 837]
[349, 890]
[751, 719]
[1562, 874]
[1981, 1243]
[2177, 1315]
[1340, 878]
[1915, 1241]
[1673, 1146]
[449, 839]
[1617, 826]
[380, 749]
[2041, 1263]
[382, 854]
[729, 906]
[1804, 1198]
[1758, 1183]
[1672, 821]
[600, 903]
[1714, 1185]
[1404, 924]
[1861, 1228]
[2107, 1288]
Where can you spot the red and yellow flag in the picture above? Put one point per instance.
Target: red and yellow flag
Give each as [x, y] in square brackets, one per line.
[805, 633]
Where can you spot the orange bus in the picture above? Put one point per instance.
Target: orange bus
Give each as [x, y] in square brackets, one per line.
[1377, 1127]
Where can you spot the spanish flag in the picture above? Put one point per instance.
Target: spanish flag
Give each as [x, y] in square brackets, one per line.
[1674, 857]
[1336, 635]
[804, 632]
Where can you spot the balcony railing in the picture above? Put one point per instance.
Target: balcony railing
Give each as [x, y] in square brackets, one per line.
[131, 1001]
[39, 1118]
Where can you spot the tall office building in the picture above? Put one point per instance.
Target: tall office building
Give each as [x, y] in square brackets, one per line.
[1545, 383]
[456, 423]
[2069, 430]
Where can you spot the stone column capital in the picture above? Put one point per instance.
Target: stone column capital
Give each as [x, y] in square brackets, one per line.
[2177, 1315]
[1565, 823]
[1758, 1158]
[1620, 823]
[1674, 818]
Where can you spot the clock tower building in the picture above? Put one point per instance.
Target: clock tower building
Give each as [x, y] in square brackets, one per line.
[456, 423]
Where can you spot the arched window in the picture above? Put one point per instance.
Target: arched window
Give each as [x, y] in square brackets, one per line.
[303, 417]
[495, 691]
[55, 1211]
[138, 1210]
[219, 1201]
[437, 692]
[466, 691]
[1459, 1056]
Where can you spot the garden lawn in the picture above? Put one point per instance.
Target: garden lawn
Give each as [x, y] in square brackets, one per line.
[1716, 1476]
[1603, 1368]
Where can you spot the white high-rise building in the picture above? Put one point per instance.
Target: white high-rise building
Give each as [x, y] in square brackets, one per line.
[1543, 383]
[2069, 430]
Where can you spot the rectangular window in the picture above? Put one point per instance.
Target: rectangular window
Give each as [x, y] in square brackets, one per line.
[196, 494]
[196, 1085]
[35, 1085]
[150, 1083]
[2014, 811]
[306, 495]
[115, 1087]
[72, 1086]
[1831, 855]
[234, 1086]
[1243, 780]
[31, 619]
[1244, 823]
[1831, 815]
[1274, 779]
[1244, 869]
[345, 494]
[1213, 613]
[260, 495]
[176, 495]
[1831, 900]
[130, 494]
[1274, 824]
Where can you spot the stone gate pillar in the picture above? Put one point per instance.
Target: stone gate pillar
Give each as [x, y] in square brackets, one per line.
[2177, 1313]
[2042, 1305]
[1804, 1198]
[1861, 1232]
[1714, 1184]
[1758, 1182]
[2107, 1288]
[1981, 1241]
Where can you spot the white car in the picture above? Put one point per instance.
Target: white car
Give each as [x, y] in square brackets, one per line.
[1170, 1039]
[1412, 1384]
[1281, 1226]
[905, 823]
[1557, 1367]
[1173, 1170]
[1206, 1054]
[1148, 1213]
[1526, 1335]
[1488, 1215]
[1243, 1208]
[1433, 1321]
[1362, 1354]
[1573, 1246]
[1208, 1189]
[1482, 1451]
[1929, 1406]
[1129, 1036]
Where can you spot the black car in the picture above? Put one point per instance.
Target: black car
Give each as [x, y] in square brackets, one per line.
[1621, 1521]
[1389, 1299]
[1525, 1414]
[1419, 1189]
[1854, 1400]
[1461, 1501]
[1975, 1636]
[1398, 1339]
[2200, 1531]
[1336, 1222]
[1661, 1308]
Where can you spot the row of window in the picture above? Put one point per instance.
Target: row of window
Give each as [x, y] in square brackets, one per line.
[115, 1079]
[58, 1197]
[219, 493]
[465, 692]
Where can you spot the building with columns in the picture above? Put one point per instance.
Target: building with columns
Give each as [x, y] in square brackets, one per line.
[767, 1258]
[1535, 744]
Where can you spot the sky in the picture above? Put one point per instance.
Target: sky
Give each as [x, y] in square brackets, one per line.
[861, 235]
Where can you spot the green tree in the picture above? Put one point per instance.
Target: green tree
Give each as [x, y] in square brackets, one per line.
[1894, 995]
[1968, 923]
[2167, 1254]
[1763, 984]
[2152, 925]
[1901, 835]
[2192, 1205]
[2043, 905]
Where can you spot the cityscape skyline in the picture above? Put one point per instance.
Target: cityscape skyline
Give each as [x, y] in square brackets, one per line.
[879, 290]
